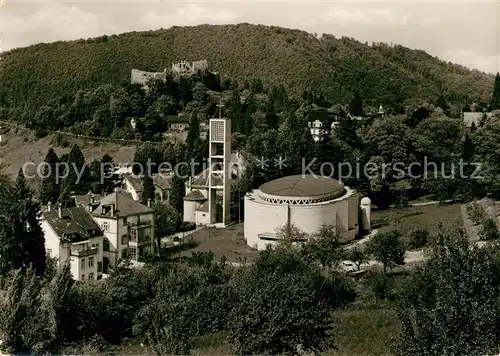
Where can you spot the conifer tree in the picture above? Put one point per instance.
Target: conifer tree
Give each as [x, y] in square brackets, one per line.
[324, 150]
[356, 105]
[193, 135]
[495, 99]
[22, 242]
[148, 189]
[74, 184]
[28, 228]
[177, 194]
[49, 189]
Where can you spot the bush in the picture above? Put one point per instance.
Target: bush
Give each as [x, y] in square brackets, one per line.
[419, 238]
[476, 213]
[381, 285]
[400, 198]
[489, 230]
[298, 314]
[186, 226]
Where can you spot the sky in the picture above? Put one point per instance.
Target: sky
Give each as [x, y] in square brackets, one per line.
[463, 32]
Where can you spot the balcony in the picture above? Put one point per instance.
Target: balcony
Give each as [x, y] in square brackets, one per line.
[142, 240]
[83, 250]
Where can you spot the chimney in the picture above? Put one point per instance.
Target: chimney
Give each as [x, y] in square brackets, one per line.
[49, 206]
[59, 211]
[149, 203]
[112, 209]
[92, 199]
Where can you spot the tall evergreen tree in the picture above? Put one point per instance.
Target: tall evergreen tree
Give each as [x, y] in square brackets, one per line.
[192, 136]
[443, 104]
[177, 194]
[28, 228]
[49, 189]
[110, 180]
[324, 150]
[148, 189]
[495, 98]
[356, 105]
[295, 144]
[79, 177]
[22, 241]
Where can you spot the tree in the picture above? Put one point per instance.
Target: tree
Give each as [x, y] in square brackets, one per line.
[495, 98]
[387, 248]
[449, 306]
[295, 144]
[177, 193]
[419, 238]
[300, 318]
[192, 136]
[78, 177]
[439, 139]
[441, 103]
[49, 189]
[489, 230]
[356, 105]
[25, 322]
[167, 220]
[324, 247]
[357, 255]
[22, 242]
[148, 189]
[389, 138]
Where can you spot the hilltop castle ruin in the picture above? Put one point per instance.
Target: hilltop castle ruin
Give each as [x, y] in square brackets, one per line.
[180, 68]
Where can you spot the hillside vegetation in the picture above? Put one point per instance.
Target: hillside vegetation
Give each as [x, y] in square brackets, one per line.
[328, 65]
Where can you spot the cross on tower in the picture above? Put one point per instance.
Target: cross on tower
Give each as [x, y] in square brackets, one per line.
[220, 106]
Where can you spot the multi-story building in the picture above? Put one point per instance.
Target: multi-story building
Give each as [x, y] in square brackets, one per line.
[72, 235]
[128, 228]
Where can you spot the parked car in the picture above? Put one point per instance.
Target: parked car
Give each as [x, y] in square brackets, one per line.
[348, 266]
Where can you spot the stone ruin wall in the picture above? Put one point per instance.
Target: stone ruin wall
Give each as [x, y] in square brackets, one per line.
[142, 77]
[185, 67]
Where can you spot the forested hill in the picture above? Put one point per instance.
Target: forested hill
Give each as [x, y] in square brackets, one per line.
[299, 60]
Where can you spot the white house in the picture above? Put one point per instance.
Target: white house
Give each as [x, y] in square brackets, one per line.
[72, 235]
[316, 127]
[128, 228]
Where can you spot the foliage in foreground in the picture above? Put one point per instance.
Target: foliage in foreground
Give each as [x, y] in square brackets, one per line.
[450, 305]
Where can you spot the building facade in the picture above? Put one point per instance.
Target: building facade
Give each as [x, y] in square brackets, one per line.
[306, 202]
[128, 228]
[72, 236]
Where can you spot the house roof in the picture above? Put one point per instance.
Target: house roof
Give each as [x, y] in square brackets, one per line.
[87, 198]
[75, 221]
[195, 195]
[163, 181]
[135, 182]
[124, 205]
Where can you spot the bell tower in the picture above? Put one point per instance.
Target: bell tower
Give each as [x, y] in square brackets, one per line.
[219, 182]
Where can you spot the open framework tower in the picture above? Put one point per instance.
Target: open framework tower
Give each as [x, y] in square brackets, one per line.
[219, 169]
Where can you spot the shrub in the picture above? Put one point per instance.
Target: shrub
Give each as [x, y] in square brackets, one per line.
[419, 238]
[380, 284]
[186, 226]
[476, 213]
[489, 230]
